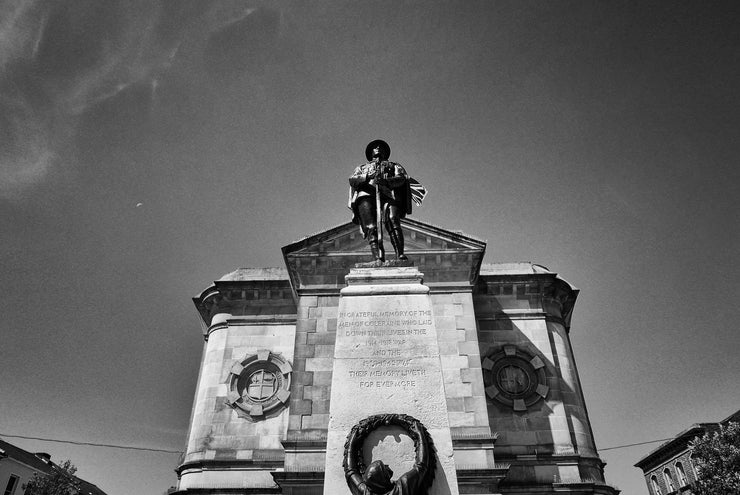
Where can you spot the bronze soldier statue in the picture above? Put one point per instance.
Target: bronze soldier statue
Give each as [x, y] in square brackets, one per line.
[381, 187]
[377, 481]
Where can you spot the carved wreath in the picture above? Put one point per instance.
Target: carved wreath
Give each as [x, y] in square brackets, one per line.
[416, 481]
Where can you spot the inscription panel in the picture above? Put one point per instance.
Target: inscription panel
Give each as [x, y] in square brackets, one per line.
[386, 327]
[410, 386]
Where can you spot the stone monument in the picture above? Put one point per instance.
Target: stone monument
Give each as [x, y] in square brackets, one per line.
[346, 373]
[386, 354]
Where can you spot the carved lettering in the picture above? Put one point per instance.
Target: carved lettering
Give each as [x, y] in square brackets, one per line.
[388, 373]
[385, 332]
[384, 314]
[385, 337]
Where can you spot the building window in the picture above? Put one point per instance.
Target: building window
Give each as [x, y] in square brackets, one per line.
[692, 463]
[12, 485]
[668, 480]
[682, 481]
[655, 486]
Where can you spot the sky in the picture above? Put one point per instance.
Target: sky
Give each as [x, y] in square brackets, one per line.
[147, 148]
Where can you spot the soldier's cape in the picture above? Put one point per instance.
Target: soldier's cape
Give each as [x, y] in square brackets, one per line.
[412, 193]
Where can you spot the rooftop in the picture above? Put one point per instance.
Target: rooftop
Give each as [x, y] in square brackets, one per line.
[42, 462]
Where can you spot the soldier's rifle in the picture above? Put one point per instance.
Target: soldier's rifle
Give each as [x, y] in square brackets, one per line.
[379, 206]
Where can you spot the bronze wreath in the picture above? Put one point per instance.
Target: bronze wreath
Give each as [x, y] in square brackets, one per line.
[416, 481]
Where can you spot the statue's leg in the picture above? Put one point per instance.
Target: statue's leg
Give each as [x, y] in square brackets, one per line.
[387, 213]
[393, 226]
[392, 236]
[375, 246]
[366, 209]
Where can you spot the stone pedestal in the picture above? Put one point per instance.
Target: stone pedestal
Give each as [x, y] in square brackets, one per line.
[387, 360]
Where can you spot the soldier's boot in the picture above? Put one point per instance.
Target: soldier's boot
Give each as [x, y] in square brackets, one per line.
[375, 247]
[397, 241]
[392, 236]
[375, 250]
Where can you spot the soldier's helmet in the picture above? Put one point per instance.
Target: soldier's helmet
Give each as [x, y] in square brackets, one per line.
[385, 150]
[377, 477]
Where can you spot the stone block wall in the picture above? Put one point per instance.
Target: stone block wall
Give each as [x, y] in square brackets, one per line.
[516, 311]
[316, 327]
[247, 314]
[547, 435]
[218, 435]
[454, 319]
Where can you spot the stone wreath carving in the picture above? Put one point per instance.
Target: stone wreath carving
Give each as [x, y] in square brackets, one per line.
[375, 479]
[259, 385]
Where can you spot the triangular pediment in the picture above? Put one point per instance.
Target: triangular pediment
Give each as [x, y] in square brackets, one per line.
[318, 263]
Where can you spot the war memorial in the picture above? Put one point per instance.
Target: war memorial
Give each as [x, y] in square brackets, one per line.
[420, 370]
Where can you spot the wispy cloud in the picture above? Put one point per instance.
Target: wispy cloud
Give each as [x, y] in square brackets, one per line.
[60, 59]
[26, 151]
[20, 21]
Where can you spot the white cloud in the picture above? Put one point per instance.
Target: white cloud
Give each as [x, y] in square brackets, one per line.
[50, 74]
[20, 25]
[26, 154]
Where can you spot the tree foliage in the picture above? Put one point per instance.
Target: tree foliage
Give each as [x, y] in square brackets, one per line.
[717, 459]
[61, 481]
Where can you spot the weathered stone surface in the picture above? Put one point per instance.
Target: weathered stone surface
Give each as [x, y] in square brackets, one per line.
[387, 360]
[392, 443]
[478, 311]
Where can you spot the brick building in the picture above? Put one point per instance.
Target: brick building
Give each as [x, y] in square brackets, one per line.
[516, 412]
[18, 467]
[669, 469]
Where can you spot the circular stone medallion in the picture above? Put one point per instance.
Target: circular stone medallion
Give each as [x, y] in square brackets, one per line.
[259, 385]
[512, 379]
[515, 378]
